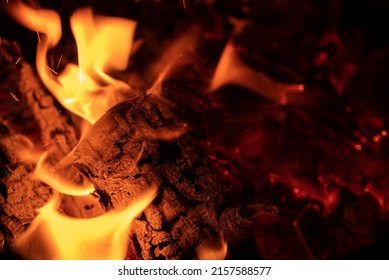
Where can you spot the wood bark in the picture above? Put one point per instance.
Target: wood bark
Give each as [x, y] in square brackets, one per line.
[130, 149]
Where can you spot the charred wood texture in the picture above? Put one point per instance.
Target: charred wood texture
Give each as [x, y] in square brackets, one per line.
[30, 122]
[132, 148]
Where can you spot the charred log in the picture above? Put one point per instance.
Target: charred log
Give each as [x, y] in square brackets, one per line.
[132, 148]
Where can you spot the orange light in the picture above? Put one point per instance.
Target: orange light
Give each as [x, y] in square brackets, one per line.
[101, 48]
[232, 70]
[212, 249]
[52, 235]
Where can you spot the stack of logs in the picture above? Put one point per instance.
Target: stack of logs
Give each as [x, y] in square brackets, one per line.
[132, 147]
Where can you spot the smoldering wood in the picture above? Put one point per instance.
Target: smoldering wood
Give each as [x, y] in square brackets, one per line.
[34, 107]
[125, 153]
[21, 192]
[30, 120]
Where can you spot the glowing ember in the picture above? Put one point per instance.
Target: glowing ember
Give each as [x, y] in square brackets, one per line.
[212, 250]
[232, 70]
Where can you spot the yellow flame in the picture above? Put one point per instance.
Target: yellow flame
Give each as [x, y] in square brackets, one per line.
[53, 235]
[103, 44]
[232, 70]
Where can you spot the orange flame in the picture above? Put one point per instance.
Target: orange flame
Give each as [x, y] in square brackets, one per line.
[101, 48]
[232, 70]
[53, 235]
[180, 48]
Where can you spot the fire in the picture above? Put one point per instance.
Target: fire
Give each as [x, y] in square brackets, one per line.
[53, 235]
[88, 91]
[85, 90]
[232, 70]
[101, 49]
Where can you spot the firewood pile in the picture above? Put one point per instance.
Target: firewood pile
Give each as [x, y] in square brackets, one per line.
[302, 179]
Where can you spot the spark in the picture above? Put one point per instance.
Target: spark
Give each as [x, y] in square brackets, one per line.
[55, 72]
[17, 61]
[51, 141]
[11, 171]
[184, 3]
[59, 61]
[14, 96]
[140, 152]
[39, 37]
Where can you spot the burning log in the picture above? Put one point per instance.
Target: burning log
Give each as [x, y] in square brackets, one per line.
[30, 122]
[132, 148]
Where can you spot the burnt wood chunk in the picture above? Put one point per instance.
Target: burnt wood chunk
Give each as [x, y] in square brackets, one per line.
[127, 151]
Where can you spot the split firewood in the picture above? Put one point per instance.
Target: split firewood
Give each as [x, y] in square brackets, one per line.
[132, 148]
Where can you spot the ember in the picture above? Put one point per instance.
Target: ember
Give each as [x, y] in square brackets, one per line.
[191, 130]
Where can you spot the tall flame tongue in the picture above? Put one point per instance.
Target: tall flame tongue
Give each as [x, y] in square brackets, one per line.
[103, 43]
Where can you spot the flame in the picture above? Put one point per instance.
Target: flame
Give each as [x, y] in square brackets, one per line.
[101, 48]
[85, 90]
[52, 235]
[211, 249]
[232, 70]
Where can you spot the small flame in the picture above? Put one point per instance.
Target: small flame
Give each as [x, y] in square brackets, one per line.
[101, 49]
[232, 70]
[177, 51]
[211, 249]
[53, 235]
